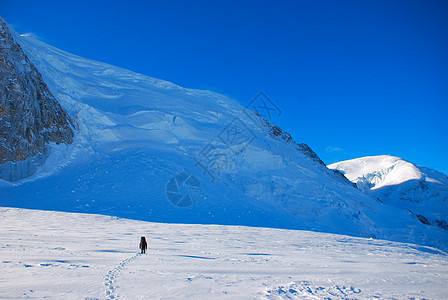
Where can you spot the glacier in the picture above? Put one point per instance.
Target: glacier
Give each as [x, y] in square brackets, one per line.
[134, 134]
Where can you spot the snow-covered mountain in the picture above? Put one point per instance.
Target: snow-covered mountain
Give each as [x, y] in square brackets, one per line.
[151, 150]
[402, 184]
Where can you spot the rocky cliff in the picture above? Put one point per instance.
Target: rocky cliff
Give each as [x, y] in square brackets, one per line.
[30, 116]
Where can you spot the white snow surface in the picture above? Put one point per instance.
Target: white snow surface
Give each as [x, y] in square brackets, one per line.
[136, 132]
[57, 255]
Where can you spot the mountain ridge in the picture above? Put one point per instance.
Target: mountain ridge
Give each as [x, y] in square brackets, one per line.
[136, 134]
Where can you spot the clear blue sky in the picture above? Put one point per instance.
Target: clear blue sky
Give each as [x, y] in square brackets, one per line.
[353, 78]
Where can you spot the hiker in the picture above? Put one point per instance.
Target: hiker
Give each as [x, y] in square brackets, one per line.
[143, 244]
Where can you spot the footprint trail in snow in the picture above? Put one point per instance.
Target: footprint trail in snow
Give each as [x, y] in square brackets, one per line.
[204, 261]
[110, 279]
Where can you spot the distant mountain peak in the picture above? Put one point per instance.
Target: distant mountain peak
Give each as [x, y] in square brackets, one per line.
[400, 183]
[374, 172]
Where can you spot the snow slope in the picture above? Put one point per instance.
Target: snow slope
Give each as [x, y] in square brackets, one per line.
[400, 183]
[58, 255]
[136, 134]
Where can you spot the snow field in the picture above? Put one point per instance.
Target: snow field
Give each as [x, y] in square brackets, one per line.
[77, 256]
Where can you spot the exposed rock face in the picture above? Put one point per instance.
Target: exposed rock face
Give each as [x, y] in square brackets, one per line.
[276, 131]
[30, 116]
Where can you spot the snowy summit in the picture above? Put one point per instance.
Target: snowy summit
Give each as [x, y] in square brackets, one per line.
[401, 184]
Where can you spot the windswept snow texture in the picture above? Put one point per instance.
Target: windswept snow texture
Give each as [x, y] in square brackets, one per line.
[137, 133]
[58, 255]
[402, 184]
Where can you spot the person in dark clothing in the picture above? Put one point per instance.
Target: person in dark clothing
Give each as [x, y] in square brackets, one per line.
[143, 244]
